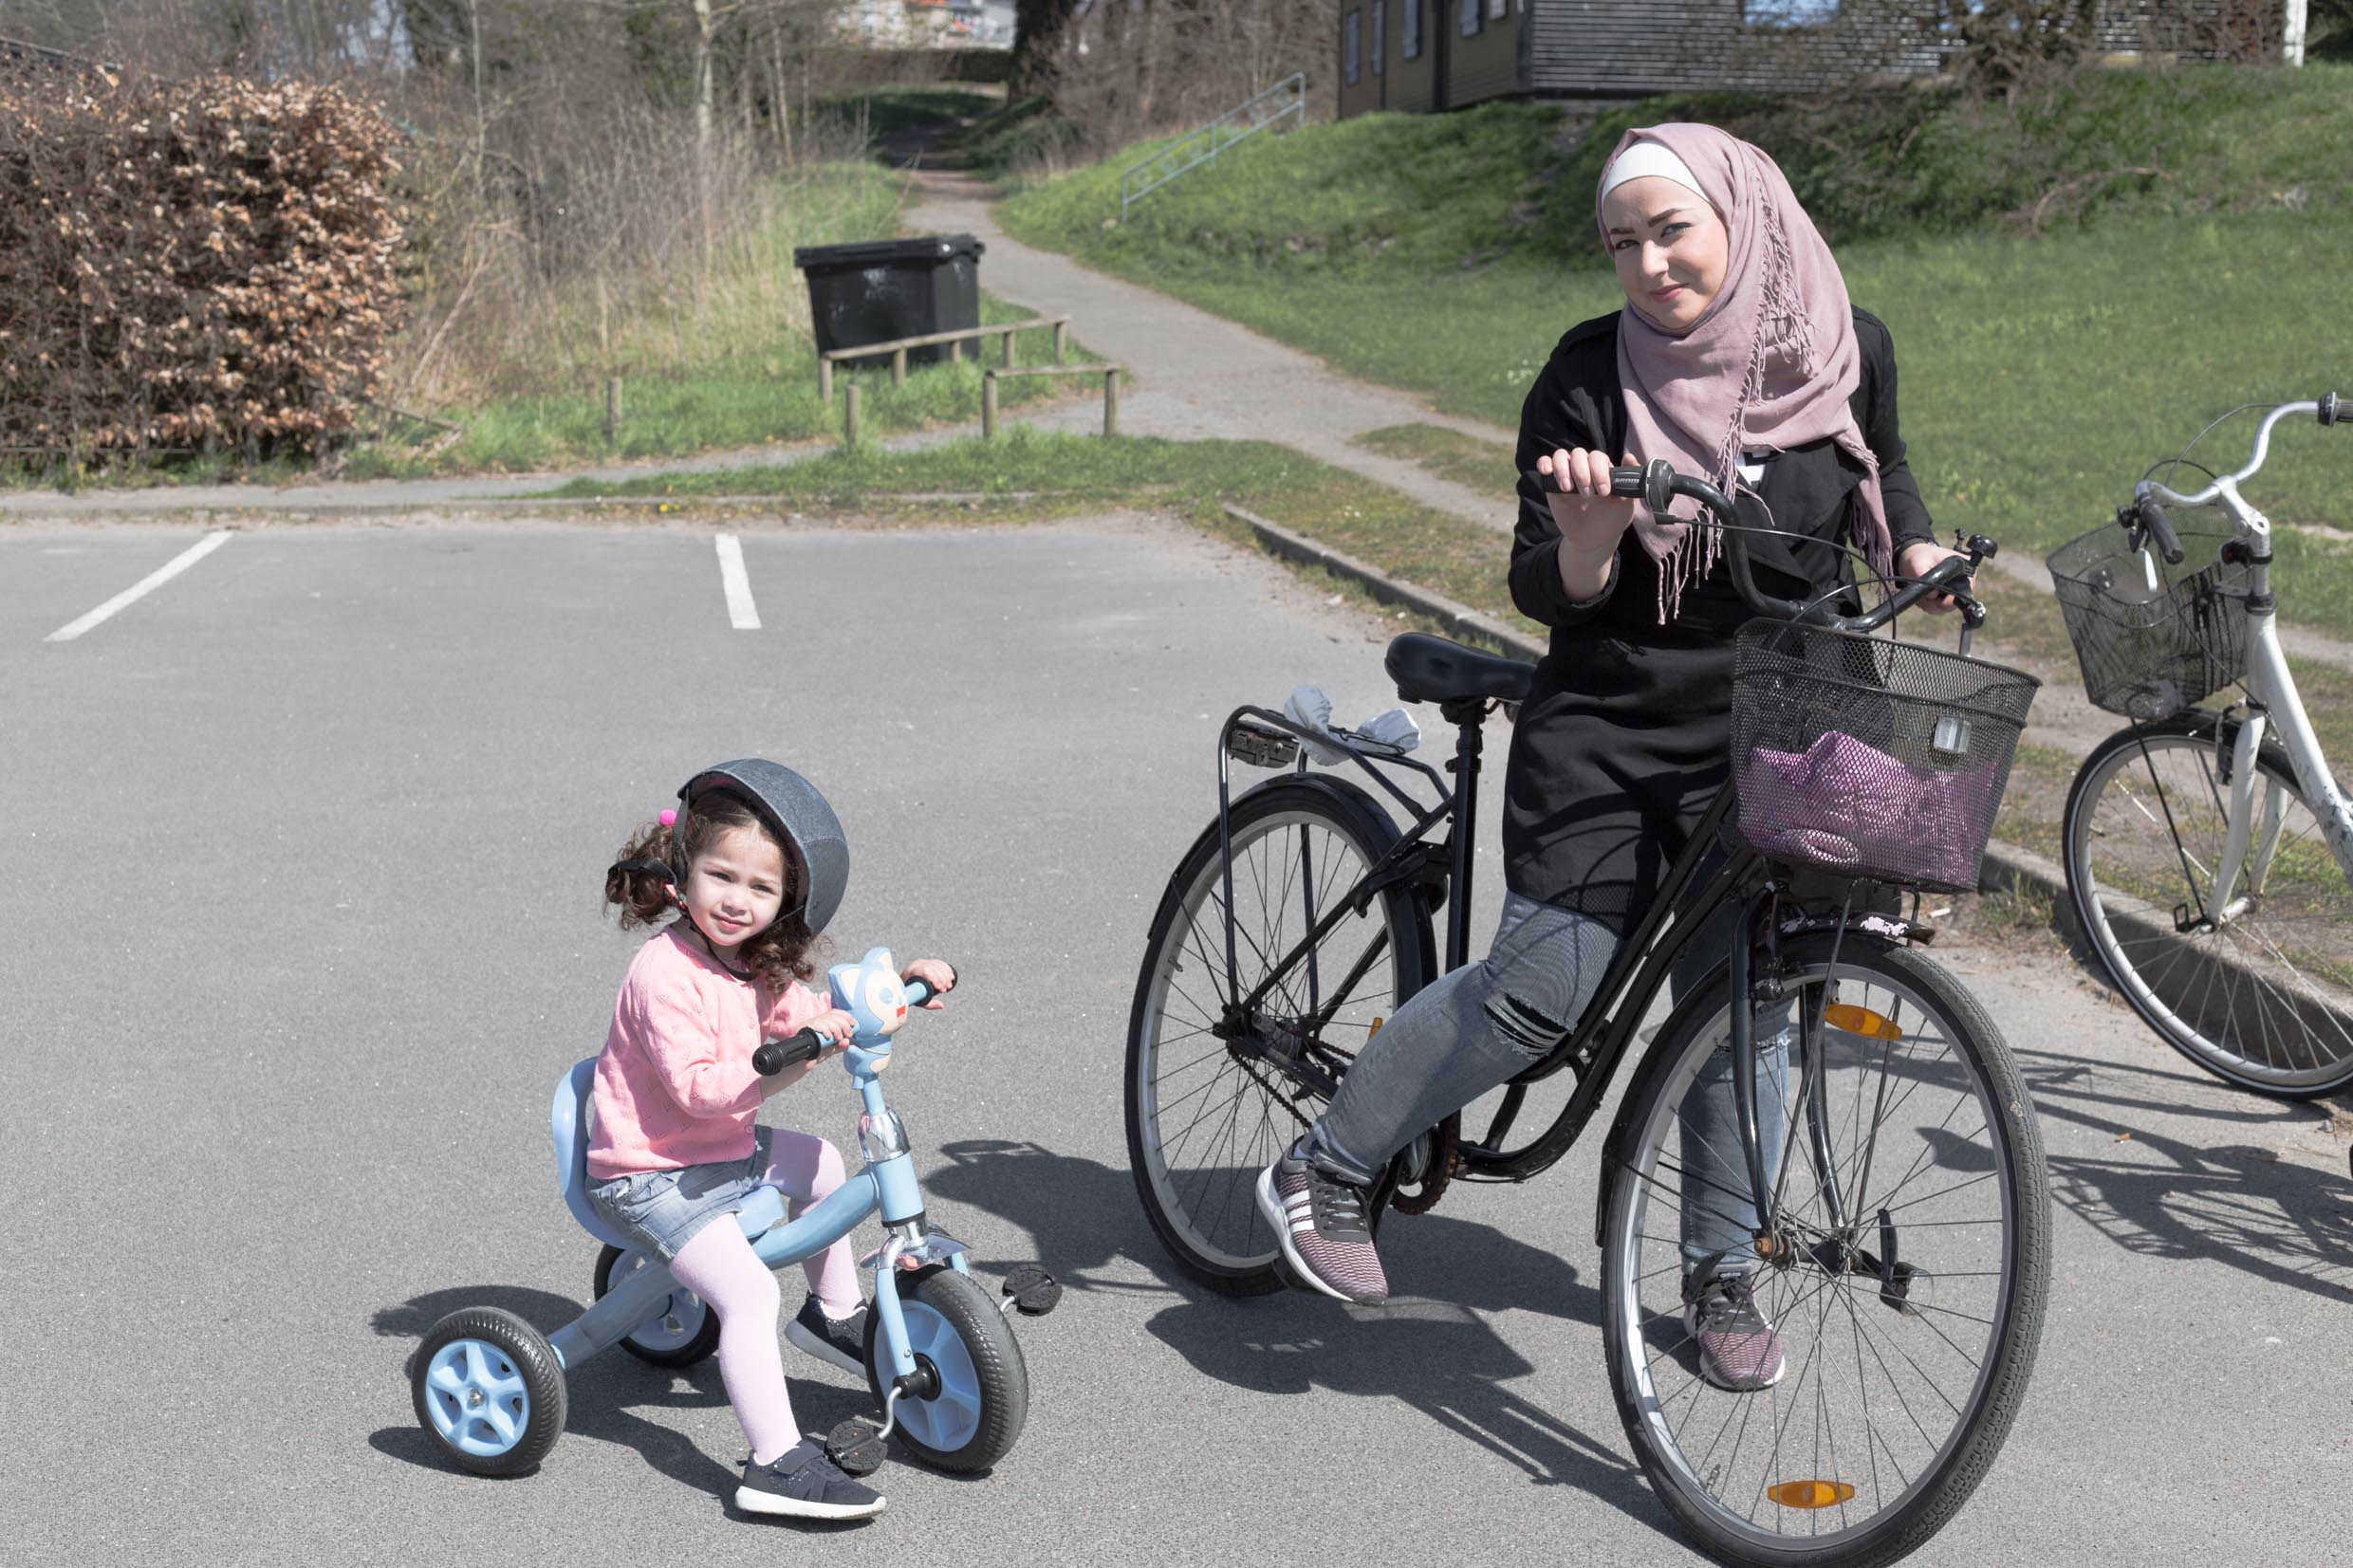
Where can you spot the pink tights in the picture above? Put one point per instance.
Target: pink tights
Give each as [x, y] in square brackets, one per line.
[718, 1265]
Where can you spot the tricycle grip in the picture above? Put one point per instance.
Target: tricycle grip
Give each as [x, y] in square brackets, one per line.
[774, 1056]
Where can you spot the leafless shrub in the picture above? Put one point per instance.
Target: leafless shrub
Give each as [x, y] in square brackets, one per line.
[188, 263]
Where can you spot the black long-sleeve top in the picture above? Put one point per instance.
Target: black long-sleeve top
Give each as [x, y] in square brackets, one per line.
[1623, 738]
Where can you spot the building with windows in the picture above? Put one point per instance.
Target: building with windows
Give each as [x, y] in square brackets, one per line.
[1416, 56]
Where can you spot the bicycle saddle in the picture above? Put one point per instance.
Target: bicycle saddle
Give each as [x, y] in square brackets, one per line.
[1428, 669]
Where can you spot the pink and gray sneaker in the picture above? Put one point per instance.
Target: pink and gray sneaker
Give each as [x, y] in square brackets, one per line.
[1739, 1348]
[1320, 1220]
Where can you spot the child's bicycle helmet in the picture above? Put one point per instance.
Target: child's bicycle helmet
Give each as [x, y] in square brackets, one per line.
[794, 808]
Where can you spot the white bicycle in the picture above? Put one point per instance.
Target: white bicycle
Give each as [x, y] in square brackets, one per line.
[2208, 849]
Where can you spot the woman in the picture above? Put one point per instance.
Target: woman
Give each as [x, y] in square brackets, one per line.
[1737, 357]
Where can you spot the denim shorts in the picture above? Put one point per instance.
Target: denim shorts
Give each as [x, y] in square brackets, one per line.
[662, 1210]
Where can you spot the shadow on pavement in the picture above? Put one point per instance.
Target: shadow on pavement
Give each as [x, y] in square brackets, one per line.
[604, 1393]
[2234, 1203]
[1439, 1357]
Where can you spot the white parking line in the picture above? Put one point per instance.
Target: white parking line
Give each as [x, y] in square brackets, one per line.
[741, 613]
[145, 585]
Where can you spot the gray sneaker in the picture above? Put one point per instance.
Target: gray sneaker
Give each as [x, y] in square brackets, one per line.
[1320, 1222]
[1739, 1348]
[802, 1483]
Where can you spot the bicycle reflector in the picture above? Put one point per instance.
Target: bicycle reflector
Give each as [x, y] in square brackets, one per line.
[1860, 1021]
[1810, 1494]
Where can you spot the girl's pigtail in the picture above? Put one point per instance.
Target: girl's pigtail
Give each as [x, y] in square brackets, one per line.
[642, 896]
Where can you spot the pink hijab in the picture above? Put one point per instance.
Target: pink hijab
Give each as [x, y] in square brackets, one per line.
[1772, 364]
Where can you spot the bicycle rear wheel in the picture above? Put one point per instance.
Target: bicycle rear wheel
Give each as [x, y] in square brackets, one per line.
[1906, 1278]
[2261, 998]
[1216, 1094]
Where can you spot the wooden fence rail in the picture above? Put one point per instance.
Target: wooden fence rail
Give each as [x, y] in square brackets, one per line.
[989, 380]
[897, 349]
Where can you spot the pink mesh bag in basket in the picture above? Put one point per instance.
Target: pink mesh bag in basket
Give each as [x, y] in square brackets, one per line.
[1870, 758]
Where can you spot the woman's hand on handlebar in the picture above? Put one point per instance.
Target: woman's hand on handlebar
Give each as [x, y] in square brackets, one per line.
[1591, 519]
[933, 972]
[1914, 560]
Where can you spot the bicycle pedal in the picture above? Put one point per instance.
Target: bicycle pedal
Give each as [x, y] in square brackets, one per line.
[856, 1445]
[1031, 1291]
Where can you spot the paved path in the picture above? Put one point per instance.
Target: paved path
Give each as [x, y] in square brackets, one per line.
[311, 835]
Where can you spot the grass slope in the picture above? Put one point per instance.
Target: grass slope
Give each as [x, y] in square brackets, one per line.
[2043, 372]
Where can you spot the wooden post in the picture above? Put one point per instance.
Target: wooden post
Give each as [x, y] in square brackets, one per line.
[898, 367]
[988, 405]
[1061, 331]
[1111, 402]
[1009, 359]
[825, 380]
[956, 351]
[612, 407]
[849, 414]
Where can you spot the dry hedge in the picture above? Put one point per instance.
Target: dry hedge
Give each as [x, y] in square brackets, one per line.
[191, 264]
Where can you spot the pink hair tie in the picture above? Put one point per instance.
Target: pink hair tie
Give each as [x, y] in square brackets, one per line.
[669, 818]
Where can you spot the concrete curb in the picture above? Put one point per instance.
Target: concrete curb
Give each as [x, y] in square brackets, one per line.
[2004, 866]
[1458, 618]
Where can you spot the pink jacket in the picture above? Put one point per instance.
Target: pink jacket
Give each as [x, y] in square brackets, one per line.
[676, 1086]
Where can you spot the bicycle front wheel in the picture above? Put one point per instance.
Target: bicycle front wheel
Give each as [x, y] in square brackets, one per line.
[2259, 992]
[1905, 1281]
[1216, 1090]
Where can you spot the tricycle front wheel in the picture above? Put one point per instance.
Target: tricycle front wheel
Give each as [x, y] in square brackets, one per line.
[980, 1387]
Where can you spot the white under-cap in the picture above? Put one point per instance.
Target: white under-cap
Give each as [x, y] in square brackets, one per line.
[1650, 158]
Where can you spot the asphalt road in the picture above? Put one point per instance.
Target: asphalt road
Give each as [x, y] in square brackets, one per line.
[308, 841]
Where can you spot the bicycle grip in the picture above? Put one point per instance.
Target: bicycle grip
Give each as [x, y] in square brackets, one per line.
[2158, 529]
[774, 1056]
[2333, 410]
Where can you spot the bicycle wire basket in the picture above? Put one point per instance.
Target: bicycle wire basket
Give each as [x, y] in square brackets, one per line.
[2153, 639]
[1868, 758]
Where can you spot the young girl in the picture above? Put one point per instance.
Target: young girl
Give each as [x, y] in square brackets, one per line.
[754, 863]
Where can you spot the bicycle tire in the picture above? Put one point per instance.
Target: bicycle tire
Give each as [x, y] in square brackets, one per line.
[2263, 1001]
[1981, 1243]
[1305, 840]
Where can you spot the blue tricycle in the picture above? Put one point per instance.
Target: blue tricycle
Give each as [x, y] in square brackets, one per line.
[941, 1358]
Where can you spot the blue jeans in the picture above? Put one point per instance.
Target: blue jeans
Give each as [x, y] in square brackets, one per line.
[1469, 1031]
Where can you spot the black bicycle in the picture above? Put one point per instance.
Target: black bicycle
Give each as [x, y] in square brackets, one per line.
[1904, 1245]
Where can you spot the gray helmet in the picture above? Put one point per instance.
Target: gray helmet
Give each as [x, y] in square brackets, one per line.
[793, 806]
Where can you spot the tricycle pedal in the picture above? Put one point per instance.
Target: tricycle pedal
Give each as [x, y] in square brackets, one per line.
[856, 1445]
[1031, 1291]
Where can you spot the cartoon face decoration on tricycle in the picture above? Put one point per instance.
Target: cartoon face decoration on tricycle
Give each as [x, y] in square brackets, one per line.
[941, 1358]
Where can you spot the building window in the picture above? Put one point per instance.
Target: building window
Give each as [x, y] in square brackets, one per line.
[1409, 32]
[1469, 13]
[1495, 9]
[1789, 13]
[1349, 54]
[1380, 29]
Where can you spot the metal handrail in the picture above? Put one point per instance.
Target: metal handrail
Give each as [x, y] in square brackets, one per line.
[1286, 99]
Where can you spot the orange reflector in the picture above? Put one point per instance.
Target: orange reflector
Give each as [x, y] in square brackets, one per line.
[1376, 1028]
[1860, 1021]
[1809, 1494]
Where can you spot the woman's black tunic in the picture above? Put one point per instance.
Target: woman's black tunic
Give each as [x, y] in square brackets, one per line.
[1623, 739]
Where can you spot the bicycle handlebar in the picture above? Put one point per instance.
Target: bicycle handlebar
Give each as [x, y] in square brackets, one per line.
[2158, 529]
[2329, 409]
[1657, 485]
[774, 1056]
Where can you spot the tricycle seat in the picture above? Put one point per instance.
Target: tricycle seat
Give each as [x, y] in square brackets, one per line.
[568, 1120]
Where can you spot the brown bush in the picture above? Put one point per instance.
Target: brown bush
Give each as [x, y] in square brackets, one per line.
[190, 263]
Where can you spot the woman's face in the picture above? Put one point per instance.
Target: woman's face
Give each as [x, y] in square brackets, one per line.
[1670, 250]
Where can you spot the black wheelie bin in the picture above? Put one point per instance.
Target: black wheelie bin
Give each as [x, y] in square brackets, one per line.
[877, 290]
